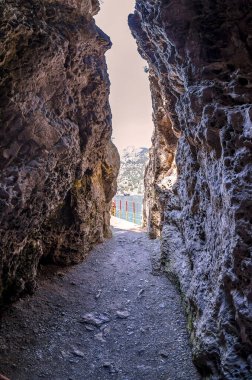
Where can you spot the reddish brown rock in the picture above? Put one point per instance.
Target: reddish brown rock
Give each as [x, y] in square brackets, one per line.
[3, 377]
[58, 165]
[199, 54]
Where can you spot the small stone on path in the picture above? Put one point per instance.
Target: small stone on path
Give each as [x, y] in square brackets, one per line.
[96, 319]
[110, 366]
[89, 328]
[106, 364]
[78, 353]
[99, 337]
[122, 314]
[164, 354]
[98, 294]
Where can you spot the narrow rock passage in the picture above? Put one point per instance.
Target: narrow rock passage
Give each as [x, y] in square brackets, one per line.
[111, 317]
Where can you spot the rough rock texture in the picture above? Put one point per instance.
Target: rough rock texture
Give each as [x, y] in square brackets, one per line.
[199, 54]
[160, 172]
[58, 165]
[131, 175]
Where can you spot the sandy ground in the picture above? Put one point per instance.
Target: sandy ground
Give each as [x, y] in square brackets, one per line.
[111, 317]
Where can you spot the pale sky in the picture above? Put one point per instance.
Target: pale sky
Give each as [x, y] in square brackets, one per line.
[130, 97]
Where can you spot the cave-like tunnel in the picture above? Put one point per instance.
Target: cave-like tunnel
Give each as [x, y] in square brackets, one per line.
[58, 176]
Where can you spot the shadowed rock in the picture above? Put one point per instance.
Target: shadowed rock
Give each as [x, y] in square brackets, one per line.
[58, 165]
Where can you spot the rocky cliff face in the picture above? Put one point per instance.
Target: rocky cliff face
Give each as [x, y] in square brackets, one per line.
[58, 165]
[199, 54]
[131, 175]
[161, 172]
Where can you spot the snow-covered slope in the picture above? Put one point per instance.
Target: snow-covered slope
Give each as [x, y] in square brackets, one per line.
[131, 176]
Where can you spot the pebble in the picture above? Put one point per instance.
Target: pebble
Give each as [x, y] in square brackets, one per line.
[123, 314]
[106, 330]
[106, 364]
[64, 354]
[98, 294]
[89, 328]
[96, 319]
[110, 366]
[73, 361]
[164, 354]
[78, 353]
[100, 337]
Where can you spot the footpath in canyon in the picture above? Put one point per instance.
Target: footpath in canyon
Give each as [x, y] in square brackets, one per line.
[114, 316]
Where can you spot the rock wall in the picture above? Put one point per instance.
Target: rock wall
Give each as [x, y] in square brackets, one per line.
[58, 165]
[161, 171]
[199, 54]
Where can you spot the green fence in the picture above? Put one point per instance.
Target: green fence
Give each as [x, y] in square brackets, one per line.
[129, 208]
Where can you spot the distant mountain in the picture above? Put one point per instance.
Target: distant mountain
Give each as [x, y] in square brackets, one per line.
[131, 175]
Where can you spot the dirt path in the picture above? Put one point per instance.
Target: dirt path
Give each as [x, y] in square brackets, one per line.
[137, 333]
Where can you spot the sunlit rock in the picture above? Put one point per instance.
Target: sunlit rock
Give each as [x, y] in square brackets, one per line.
[199, 56]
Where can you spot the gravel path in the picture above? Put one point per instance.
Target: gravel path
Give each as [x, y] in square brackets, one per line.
[111, 317]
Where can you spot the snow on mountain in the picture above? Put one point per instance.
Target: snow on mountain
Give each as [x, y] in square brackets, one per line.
[131, 175]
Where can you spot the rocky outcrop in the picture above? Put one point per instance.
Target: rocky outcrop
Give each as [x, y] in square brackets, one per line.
[58, 165]
[199, 54]
[160, 173]
[131, 175]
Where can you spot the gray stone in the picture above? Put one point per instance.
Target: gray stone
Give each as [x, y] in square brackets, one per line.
[78, 353]
[198, 181]
[96, 319]
[122, 314]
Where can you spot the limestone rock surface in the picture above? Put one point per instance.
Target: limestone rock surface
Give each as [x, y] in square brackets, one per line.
[131, 175]
[58, 165]
[199, 56]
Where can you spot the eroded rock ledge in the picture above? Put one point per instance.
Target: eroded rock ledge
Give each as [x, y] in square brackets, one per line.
[58, 165]
[199, 54]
